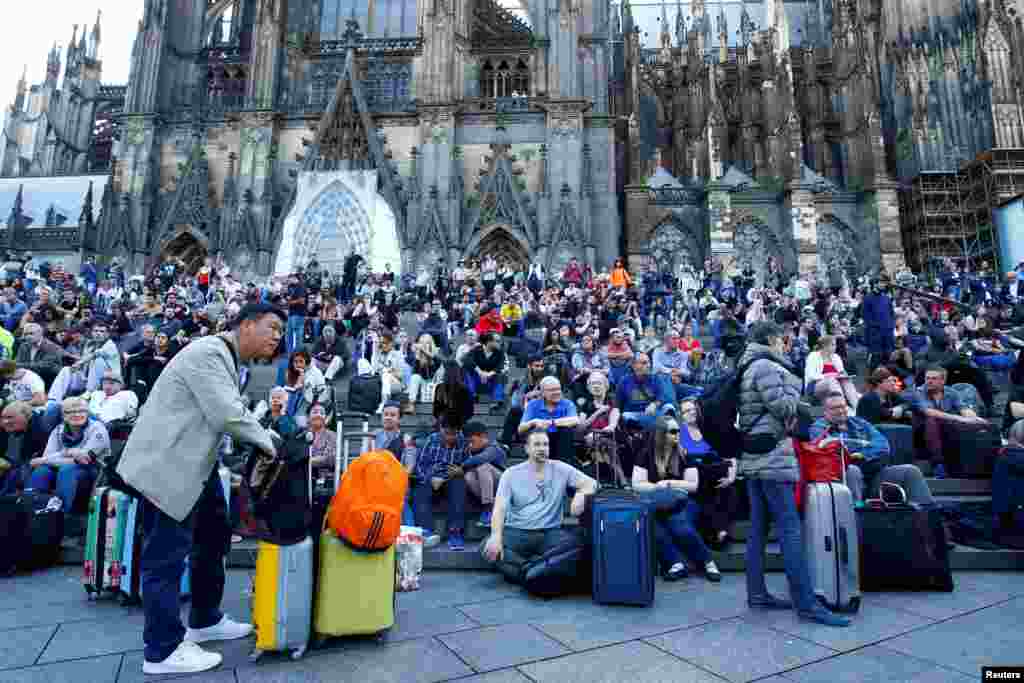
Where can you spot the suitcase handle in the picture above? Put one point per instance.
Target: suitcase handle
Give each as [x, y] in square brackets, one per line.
[881, 502]
[844, 546]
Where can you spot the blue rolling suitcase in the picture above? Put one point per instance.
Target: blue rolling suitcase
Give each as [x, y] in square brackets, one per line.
[622, 533]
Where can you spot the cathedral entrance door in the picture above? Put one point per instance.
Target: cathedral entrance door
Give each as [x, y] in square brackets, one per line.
[187, 247]
[504, 247]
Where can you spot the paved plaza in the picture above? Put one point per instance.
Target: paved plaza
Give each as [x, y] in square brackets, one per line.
[473, 627]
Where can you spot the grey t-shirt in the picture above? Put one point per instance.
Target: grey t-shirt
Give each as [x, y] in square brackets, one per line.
[535, 503]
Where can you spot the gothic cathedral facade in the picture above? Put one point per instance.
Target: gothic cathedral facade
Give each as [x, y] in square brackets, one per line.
[419, 131]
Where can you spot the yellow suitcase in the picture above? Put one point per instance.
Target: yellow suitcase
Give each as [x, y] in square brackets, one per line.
[282, 601]
[355, 590]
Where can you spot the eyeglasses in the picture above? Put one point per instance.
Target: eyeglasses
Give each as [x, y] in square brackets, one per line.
[672, 431]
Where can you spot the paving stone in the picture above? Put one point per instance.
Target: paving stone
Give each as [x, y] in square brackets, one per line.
[95, 670]
[51, 614]
[966, 598]
[59, 584]
[634, 662]
[414, 661]
[1008, 583]
[990, 636]
[430, 621]
[93, 638]
[522, 609]
[450, 589]
[872, 624]
[21, 647]
[739, 650]
[503, 676]
[592, 625]
[498, 647]
[875, 665]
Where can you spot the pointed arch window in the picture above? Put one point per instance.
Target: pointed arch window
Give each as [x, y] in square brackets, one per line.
[377, 18]
[504, 78]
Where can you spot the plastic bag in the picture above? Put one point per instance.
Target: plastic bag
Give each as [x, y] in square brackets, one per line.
[409, 550]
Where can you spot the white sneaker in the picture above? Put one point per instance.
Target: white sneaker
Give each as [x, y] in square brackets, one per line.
[227, 629]
[188, 658]
[431, 540]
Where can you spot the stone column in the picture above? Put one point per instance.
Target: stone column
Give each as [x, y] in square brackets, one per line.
[890, 240]
[804, 222]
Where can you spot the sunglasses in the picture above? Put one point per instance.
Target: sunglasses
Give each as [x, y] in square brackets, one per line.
[672, 431]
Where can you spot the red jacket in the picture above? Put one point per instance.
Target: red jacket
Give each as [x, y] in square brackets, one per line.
[491, 322]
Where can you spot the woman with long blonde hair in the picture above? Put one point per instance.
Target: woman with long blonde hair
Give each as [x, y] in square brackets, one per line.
[425, 362]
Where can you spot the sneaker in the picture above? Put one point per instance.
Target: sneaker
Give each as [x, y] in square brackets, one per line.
[188, 658]
[455, 540]
[711, 572]
[431, 540]
[676, 572]
[226, 629]
[823, 616]
[769, 601]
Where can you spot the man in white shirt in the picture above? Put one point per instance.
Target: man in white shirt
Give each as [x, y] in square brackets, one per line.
[113, 402]
[390, 365]
[23, 384]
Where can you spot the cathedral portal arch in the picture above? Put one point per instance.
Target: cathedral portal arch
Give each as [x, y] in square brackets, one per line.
[753, 243]
[337, 213]
[837, 243]
[506, 243]
[673, 246]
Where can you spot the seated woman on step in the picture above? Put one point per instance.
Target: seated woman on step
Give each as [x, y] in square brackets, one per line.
[663, 465]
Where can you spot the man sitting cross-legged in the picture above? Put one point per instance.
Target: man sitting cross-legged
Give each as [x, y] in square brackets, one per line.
[528, 508]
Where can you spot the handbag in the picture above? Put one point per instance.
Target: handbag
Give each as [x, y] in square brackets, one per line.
[820, 461]
[902, 545]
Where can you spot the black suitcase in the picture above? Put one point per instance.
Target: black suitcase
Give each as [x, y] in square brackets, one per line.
[972, 453]
[364, 393]
[32, 529]
[901, 443]
[902, 546]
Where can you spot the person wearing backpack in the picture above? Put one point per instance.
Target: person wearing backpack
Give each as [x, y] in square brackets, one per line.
[768, 404]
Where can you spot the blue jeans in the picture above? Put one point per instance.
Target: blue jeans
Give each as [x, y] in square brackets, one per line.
[676, 537]
[496, 385]
[775, 498]
[295, 332]
[685, 391]
[423, 498]
[644, 420]
[64, 480]
[204, 537]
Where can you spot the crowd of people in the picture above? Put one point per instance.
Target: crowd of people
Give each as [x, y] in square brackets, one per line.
[597, 376]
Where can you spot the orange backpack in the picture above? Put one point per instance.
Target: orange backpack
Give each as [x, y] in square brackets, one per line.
[366, 511]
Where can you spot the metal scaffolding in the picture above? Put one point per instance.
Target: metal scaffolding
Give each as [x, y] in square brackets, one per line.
[948, 214]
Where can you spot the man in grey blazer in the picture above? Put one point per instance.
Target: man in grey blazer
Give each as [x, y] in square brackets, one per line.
[171, 458]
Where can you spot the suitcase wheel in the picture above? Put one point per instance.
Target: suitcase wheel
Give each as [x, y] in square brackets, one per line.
[297, 653]
[255, 655]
